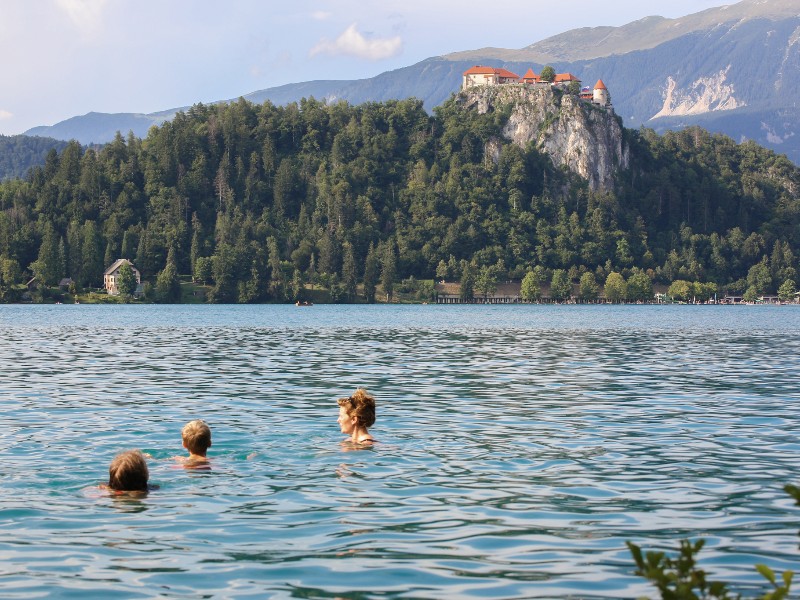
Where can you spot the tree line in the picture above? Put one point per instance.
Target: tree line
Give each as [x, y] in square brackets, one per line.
[262, 201]
[18, 153]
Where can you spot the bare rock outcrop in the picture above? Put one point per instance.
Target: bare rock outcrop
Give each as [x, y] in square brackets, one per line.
[584, 138]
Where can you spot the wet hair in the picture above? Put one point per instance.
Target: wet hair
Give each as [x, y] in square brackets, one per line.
[197, 436]
[128, 472]
[361, 406]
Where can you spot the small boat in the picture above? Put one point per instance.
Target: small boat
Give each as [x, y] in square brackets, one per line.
[304, 303]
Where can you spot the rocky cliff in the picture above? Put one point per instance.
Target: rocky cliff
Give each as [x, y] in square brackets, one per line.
[584, 138]
[704, 95]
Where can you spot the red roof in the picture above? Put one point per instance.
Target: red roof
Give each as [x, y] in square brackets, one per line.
[530, 75]
[507, 74]
[600, 85]
[479, 70]
[562, 77]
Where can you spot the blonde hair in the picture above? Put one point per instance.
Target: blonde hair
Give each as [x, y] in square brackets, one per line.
[361, 406]
[128, 472]
[196, 436]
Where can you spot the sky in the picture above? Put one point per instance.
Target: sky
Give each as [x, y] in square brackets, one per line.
[62, 58]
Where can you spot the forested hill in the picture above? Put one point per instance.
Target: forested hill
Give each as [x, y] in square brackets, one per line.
[258, 199]
[18, 153]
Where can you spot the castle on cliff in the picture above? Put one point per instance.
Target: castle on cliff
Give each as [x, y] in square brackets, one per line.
[487, 76]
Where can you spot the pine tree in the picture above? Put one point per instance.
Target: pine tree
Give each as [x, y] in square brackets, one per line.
[298, 286]
[349, 277]
[389, 270]
[196, 250]
[168, 285]
[370, 274]
[277, 283]
[312, 271]
[128, 246]
[74, 249]
[92, 270]
[49, 265]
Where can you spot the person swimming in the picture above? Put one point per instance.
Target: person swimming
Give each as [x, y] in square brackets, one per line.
[356, 415]
[128, 473]
[196, 438]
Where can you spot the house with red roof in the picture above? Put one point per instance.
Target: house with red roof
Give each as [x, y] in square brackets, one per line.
[565, 79]
[479, 75]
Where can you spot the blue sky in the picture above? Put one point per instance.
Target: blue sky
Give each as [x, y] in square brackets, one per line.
[61, 58]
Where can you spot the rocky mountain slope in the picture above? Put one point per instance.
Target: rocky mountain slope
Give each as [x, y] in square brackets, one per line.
[734, 70]
[596, 42]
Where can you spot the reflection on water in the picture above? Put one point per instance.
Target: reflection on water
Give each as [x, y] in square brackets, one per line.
[519, 448]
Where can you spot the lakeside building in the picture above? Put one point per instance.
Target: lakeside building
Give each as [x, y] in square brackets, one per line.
[510, 292]
[111, 276]
[450, 293]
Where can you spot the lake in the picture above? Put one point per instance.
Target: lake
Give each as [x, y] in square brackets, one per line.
[519, 448]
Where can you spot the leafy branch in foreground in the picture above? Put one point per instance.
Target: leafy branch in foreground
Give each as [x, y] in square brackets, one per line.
[679, 578]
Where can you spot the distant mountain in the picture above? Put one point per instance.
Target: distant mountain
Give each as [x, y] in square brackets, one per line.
[733, 70]
[597, 42]
[18, 153]
[100, 128]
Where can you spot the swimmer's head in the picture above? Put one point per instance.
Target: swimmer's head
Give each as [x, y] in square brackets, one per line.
[196, 437]
[128, 472]
[360, 406]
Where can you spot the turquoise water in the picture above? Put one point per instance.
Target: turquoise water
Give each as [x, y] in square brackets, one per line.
[520, 447]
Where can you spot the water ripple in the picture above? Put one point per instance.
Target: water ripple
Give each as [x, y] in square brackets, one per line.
[520, 447]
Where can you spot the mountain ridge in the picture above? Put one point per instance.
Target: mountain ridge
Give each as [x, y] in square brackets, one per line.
[596, 42]
[743, 59]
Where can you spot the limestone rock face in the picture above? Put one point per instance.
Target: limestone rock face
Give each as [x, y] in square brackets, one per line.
[706, 94]
[584, 138]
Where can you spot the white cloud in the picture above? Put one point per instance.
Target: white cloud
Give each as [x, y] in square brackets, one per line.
[353, 43]
[321, 15]
[85, 14]
[4, 114]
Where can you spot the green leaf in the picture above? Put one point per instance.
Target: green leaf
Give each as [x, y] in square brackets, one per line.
[787, 579]
[766, 573]
[636, 552]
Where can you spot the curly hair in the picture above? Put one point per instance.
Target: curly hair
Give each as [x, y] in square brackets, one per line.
[361, 406]
[197, 436]
[128, 472]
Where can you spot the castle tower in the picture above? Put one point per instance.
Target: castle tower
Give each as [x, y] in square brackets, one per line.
[600, 94]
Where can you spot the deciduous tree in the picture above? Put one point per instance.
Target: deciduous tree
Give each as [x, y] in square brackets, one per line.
[126, 281]
[587, 287]
[616, 290]
[787, 290]
[530, 289]
[640, 287]
[560, 286]
[548, 74]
